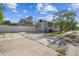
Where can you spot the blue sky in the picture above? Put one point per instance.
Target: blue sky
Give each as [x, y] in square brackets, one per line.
[15, 11]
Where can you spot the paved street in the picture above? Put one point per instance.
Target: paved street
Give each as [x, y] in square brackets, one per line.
[16, 44]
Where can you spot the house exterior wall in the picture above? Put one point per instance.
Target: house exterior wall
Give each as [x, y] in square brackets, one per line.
[42, 27]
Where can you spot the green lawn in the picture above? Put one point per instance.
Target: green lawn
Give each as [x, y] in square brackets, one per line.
[55, 32]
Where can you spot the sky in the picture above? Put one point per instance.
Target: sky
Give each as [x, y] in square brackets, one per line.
[15, 11]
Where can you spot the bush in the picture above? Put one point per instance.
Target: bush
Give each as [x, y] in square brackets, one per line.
[61, 52]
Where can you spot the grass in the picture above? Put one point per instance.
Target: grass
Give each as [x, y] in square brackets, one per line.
[55, 32]
[2, 33]
[61, 52]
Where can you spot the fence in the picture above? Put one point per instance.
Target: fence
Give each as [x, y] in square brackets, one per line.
[6, 28]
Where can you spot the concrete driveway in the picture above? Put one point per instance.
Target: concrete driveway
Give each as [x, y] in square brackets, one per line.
[13, 44]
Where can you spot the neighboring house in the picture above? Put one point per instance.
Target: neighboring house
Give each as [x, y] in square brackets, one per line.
[43, 26]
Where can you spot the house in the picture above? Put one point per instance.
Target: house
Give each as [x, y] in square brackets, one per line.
[43, 26]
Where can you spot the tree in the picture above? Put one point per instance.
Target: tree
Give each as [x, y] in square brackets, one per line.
[1, 14]
[7, 22]
[50, 24]
[26, 21]
[65, 19]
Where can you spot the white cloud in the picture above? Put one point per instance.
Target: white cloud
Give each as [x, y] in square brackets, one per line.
[44, 8]
[12, 5]
[33, 16]
[39, 6]
[69, 8]
[19, 15]
[11, 19]
[47, 18]
[75, 6]
[31, 6]
[25, 11]
[15, 11]
[43, 12]
[7, 18]
[51, 8]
